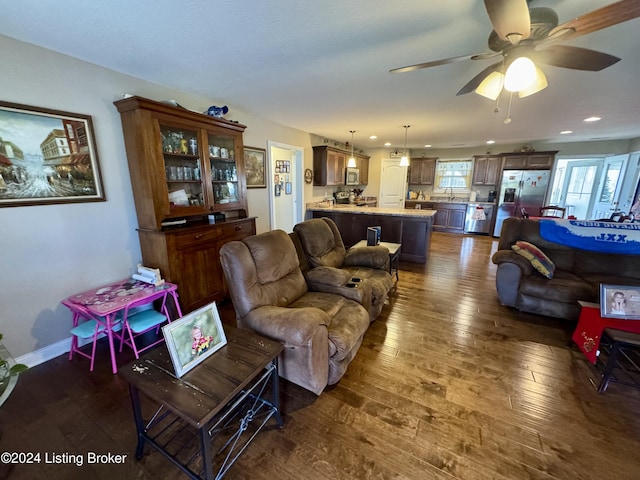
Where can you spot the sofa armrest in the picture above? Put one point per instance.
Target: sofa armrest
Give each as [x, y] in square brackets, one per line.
[338, 281]
[290, 326]
[509, 256]
[327, 276]
[371, 257]
[511, 268]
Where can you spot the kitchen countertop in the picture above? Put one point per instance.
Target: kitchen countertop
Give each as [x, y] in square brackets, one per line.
[397, 212]
[452, 201]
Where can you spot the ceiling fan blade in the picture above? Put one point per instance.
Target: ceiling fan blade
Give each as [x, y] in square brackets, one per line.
[509, 17]
[575, 58]
[477, 80]
[597, 20]
[435, 63]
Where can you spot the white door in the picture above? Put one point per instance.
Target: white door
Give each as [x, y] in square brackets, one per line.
[285, 165]
[578, 187]
[393, 184]
[608, 193]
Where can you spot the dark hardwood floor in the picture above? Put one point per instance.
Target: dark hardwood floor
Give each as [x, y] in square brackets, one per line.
[448, 384]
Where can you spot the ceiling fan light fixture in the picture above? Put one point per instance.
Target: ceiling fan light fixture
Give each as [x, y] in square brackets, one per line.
[540, 83]
[491, 86]
[351, 163]
[520, 75]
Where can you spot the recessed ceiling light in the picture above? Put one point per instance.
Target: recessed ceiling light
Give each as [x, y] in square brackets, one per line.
[427, 145]
[566, 132]
[387, 144]
[592, 119]
[373, 137]
[490, 142]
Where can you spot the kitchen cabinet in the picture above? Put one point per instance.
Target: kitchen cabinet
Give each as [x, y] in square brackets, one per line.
[413, 232]
[183, 167]
[329, 166]
[422, 171]
[362, 164]
[449, 217]
[541, 160]
[486, 169]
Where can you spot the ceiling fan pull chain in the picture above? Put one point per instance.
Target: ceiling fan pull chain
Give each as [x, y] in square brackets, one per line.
[507, 120]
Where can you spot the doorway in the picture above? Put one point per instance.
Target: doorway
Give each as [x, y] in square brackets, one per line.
[393, 184]
[607, 199]
[589, 188]
[285, 185]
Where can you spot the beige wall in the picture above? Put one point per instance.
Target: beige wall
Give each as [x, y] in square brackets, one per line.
[50, 252]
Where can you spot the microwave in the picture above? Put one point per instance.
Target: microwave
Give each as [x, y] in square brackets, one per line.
[352, 176]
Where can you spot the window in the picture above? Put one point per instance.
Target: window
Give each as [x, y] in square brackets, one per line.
[453, 176]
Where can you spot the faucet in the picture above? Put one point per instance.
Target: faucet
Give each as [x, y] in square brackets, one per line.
[451, 196]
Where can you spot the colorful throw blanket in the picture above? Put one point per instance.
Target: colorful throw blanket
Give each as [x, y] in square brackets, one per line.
[588, 333]
[607, 237]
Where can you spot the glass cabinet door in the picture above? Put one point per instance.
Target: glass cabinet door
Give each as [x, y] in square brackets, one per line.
[224, 170]
[182, 167]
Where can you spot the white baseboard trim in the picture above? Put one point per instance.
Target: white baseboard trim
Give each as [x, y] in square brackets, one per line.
[50, 351]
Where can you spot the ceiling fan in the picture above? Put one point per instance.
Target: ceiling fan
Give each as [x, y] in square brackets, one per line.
[533, 34]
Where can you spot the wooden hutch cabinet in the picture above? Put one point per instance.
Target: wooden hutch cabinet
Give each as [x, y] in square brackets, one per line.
[185, 167]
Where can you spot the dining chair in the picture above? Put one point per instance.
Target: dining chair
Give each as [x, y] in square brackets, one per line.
[553, 211]
[140, 317]
[88, 326]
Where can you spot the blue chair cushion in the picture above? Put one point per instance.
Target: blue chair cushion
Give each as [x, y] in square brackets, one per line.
[144, 320]
[86, 329]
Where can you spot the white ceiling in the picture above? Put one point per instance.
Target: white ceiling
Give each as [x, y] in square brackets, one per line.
[323, 66]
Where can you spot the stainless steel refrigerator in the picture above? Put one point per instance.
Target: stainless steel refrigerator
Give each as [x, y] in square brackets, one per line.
[520, 189]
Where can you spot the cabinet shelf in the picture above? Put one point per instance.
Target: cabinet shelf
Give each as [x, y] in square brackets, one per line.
[181, 155]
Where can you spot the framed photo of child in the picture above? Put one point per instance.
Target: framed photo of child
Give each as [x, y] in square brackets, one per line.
[194, 337]
[619, 301]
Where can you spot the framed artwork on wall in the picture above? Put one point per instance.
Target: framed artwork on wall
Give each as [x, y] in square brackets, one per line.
[47, 157]
[255, 165]
[194, 337]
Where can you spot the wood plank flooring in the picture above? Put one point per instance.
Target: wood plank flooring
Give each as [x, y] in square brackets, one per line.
[448, 384]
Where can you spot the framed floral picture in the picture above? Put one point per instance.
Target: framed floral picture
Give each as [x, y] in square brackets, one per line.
[254, 166]
[194, 337]
[47, 156]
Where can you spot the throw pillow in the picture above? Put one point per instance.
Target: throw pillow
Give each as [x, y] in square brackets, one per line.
[538, 259]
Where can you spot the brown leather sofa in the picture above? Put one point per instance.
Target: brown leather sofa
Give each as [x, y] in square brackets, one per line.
[321, 331]
[578, 273]
[329, 262]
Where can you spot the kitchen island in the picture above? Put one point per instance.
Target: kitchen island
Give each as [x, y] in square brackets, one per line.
[411, 228]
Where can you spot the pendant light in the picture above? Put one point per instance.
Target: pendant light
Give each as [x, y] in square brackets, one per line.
[404, 161]
[352, 160]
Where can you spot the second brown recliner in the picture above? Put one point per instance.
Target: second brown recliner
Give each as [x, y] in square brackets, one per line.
[324, 250]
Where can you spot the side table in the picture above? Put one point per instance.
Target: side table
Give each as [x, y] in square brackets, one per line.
[212, 413]
[394, 254]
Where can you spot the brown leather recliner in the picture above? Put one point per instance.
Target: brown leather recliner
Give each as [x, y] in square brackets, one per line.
[321, 331]
[324, 250]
